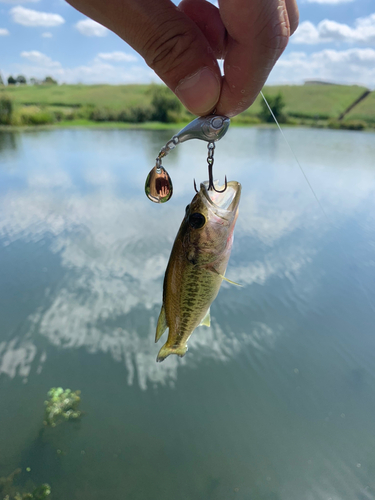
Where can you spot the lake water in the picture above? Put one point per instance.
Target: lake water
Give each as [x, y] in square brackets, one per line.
[276, 401]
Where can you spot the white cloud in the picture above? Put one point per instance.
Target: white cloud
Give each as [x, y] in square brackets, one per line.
[306, 33]
[40, 59]
[352, 66]
[331, 31]
[47, 34]
[4, 32]
[106, 73]
[95, 72]
[88, 27]
[117, 281]
[117, 56]
[28, 17]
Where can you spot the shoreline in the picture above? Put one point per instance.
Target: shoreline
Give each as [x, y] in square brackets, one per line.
[88, 124]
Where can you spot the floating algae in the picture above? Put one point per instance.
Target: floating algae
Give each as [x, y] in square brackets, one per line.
[8, 491]
[61, 405]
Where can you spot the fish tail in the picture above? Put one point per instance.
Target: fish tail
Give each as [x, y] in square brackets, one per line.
[166, 350]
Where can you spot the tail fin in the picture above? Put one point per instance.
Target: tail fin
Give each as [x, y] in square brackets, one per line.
[166, 350]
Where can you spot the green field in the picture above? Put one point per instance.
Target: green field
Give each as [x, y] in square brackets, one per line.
[364, 111]
[113, 97]
[306, 104]
[312, 101]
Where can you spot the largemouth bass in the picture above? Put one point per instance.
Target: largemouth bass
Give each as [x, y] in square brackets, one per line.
[197, 265]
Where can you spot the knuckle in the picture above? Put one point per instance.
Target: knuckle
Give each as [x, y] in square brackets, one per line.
[166, 50]
[274, 38]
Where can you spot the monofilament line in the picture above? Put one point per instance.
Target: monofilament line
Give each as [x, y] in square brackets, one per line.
[295, 157]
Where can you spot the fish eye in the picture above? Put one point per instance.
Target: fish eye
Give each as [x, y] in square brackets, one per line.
[197, 220]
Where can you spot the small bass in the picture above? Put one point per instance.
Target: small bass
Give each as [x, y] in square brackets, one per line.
[197, 265]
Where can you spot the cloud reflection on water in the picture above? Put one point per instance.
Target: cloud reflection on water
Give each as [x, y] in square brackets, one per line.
[114, 252]
[110, 296]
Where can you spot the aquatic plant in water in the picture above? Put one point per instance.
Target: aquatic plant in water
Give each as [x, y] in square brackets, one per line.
[10, 492]
[61, 405]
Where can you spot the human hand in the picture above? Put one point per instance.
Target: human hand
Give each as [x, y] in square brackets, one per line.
[182, 44]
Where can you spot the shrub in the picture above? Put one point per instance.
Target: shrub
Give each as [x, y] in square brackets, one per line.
[166, 107]
[102, 115]
[276, 103]
[6, 110]
[135, 114]
[354, 125]
[63, 114]
[32, 115]
[84, 112]
[347, 125]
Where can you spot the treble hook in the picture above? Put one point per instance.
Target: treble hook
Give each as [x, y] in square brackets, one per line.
[210, 161]
[211, 184]
[211, 178]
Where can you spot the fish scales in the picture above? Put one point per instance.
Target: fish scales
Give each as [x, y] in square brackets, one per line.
[197, 265]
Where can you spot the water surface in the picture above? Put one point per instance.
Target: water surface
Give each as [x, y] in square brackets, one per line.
[276, 401]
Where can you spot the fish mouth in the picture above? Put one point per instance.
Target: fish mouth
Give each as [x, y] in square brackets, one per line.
[226, 201]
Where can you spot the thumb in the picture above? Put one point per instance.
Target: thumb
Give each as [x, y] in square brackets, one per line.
[169, 41]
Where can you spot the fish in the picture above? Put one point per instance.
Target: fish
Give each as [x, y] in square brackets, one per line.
[197, 265]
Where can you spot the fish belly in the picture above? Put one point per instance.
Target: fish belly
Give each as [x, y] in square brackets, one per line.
[189, 291]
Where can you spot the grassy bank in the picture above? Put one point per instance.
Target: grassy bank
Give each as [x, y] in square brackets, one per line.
[147, 105]
[364, 111]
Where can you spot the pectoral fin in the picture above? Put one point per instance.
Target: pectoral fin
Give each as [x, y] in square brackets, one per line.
[223, 277]
[206, 321]
[162, 324]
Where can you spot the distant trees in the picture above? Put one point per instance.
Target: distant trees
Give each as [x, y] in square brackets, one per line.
[49, 81]
[277, 104]
[1, 80]
[21, 80]
[165, 105]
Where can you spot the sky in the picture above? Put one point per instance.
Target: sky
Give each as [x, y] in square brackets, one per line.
[335, 42]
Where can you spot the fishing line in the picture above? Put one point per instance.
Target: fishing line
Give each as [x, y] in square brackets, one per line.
[295, 156]
[343, 249]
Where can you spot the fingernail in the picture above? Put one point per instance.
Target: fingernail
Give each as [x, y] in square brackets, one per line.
[199, 92]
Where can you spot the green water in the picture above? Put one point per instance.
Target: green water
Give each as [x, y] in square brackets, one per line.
[276, 401]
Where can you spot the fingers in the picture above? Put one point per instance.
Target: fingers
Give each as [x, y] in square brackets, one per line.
[258, 32]
[207, 17]
[250, 35]
[170, 42]
[182, 44]
[293, 14]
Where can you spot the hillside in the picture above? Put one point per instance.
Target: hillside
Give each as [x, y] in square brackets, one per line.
[113, 97]
[312, 104]
[364, 111]
[312, 101]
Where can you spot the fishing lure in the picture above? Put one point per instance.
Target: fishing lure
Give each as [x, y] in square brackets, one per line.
[211, 128]
[202, 247]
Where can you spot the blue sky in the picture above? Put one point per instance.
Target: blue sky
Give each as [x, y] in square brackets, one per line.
[335, 42]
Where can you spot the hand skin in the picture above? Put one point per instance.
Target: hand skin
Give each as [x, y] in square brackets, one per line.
[182, 44]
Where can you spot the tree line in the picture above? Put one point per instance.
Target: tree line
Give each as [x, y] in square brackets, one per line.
[22, 80]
